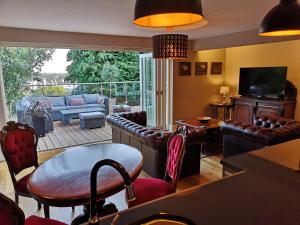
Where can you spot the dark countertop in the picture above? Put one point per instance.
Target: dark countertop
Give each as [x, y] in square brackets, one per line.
[266, 193]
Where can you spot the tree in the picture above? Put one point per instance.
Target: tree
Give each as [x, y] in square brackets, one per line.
[102, 66]
[20, 65]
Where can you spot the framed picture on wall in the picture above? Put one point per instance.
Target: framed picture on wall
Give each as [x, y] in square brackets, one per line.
[185, 68]
[201, 68]
[216, 68]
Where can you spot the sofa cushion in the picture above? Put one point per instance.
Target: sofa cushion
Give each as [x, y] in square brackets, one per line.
[55, 109]
[76, 102]
[94, 105]
[57, 101]
[76, 107]
[90, 98]
[69, 97]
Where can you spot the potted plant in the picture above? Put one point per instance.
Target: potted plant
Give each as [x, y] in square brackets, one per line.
[37, 116]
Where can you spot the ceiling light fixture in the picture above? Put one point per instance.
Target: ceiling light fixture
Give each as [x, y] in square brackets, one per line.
[170, 46]
[167, 13]
[282, 20]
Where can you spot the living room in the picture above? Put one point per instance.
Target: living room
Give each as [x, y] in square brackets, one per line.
[174, 162]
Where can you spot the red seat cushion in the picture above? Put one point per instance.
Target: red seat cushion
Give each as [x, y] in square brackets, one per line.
[147, 189]
[21, 185]
[35, 220]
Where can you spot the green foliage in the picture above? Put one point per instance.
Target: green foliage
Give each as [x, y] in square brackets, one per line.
[50, 91]
[20, 65]
[102, 66]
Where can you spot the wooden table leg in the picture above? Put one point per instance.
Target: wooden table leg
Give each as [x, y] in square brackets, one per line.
[46, 211]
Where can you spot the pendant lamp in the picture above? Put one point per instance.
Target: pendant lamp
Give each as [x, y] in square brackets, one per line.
[167, 13]
[170, 46]
[282, 20]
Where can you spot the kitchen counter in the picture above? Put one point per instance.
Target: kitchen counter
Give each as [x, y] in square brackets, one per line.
[263, 193]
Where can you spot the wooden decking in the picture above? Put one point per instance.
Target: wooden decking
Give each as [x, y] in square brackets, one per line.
[71, 135]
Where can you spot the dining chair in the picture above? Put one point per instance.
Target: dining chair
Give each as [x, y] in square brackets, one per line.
[18, 145]
[147, 189]
[11, 214]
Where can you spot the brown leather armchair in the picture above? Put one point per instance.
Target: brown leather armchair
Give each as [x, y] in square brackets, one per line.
[240, 138]
[132, 129]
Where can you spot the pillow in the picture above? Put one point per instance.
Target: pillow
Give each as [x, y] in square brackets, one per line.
[76, 101]
[46, 103]
[101, 100]
[69, 97]
[90, 98]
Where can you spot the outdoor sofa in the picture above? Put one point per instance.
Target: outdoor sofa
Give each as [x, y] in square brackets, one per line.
[55, 104]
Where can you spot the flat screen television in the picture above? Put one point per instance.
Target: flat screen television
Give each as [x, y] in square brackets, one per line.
[263, 82]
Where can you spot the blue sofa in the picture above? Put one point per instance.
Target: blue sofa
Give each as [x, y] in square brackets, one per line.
[60, 103]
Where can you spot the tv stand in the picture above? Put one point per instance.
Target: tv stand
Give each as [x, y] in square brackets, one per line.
[245, 108]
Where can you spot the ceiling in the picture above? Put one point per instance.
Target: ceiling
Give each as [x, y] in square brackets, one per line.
[114, 17]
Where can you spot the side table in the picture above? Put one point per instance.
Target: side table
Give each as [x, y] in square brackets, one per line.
[225, 107]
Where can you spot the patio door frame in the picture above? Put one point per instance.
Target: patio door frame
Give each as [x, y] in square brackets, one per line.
[162, 72]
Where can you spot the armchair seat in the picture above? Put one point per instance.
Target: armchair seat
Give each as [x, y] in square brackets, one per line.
[35, 220]
[147, 189]
[21, 185]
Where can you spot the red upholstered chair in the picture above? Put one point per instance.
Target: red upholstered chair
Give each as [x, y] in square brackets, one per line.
[18, 144]
[11, 214]
[147, 189]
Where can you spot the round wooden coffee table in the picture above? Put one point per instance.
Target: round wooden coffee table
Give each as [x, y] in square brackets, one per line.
[64, 180]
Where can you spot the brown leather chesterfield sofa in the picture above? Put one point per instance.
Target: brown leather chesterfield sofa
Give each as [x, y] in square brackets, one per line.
[132, 129]
[240, 138]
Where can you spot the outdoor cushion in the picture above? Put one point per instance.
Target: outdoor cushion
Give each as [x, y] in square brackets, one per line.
[90, 98]
[76, 107]
[69, 97]
[76, 101]
[57, 101]
[58, 108]
[94, 106]
[147, 189]
[91, 115]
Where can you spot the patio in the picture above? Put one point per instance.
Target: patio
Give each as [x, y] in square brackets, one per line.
[64, 136]
[70, 135]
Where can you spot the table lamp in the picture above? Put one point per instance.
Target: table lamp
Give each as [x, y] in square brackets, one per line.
[224, 91]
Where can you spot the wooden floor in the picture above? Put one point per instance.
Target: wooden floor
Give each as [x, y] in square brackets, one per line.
[72, 135]
[211, 171]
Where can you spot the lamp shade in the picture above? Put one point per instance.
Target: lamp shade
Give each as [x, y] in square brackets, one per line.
[282, 20]
[170, 46]
[224, 90]
[167, 13]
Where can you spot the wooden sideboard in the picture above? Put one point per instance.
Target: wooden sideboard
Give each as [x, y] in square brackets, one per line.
[244, 109]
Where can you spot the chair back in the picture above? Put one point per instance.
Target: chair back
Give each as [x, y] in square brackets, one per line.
[176, 150]
[10, 213]
[19, 144]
